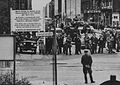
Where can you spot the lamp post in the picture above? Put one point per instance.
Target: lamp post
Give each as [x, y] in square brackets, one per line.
[54, 53]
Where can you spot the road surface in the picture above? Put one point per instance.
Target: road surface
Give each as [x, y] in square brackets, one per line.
[38, 68]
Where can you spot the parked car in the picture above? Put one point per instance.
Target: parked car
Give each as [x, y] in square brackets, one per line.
[28, 45]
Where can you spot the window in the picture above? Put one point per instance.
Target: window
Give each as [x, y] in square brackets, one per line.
[115, 17]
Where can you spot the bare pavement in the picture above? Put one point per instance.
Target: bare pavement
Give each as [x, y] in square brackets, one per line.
[38, 68]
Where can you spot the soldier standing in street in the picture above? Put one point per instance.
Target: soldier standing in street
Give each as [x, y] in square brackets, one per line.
[86, 61]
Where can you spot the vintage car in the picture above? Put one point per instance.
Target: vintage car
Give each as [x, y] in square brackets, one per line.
[28, 45]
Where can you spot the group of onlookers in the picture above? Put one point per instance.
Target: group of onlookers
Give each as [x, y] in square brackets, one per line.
[107, 40]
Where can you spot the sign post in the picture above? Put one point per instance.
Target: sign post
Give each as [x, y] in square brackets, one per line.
[8, 51]
[55, 57]
[14, 67]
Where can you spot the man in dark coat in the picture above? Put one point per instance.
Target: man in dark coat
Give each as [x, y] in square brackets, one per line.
[68, 44]
[86, 61]
[77, 44]
[60, 43]
[94, 42]
[49, 43]
[101, 44]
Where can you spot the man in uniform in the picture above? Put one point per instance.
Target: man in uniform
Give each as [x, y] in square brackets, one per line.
[86, 61]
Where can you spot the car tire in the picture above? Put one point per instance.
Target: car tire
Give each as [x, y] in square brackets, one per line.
[34, 51]
[21, 50]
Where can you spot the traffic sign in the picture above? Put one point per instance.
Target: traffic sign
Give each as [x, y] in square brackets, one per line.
[44, 34]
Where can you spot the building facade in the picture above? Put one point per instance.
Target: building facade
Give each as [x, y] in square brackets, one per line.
[73, 8]
[101, 11]
[49, 9]
[106, 12]
[67, 8]
[22, 4]
[4, 17]
[91, 10]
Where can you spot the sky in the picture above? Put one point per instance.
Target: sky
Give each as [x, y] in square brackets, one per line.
[38, 4]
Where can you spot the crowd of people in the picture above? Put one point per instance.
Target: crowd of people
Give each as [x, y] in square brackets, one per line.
[107, 40]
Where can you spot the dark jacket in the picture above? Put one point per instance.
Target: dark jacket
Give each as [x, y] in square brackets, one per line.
[77, 41]
[94, 40]
[101, 42]
[86, 60]
[60, 41]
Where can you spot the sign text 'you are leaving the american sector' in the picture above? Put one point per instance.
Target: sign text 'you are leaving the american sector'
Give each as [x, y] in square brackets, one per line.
[26, 20]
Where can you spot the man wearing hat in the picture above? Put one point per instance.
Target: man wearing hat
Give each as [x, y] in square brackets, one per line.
[86, 61]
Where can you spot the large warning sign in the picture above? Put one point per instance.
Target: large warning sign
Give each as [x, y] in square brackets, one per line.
[26, 20]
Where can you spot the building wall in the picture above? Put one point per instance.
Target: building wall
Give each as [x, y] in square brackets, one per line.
[116, 5]
[51, 9]
[106, 12]
[91, 10]
[4, 17]
[69, 8]
[56, 7]
[73, 8]
[22, 4]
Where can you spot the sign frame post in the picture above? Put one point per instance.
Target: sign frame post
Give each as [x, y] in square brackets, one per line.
[14, 57]
[14, 67]
[55, 55]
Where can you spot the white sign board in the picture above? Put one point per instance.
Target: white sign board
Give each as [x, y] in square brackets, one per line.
[26, 20]
[44, 34]
[6, 48]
